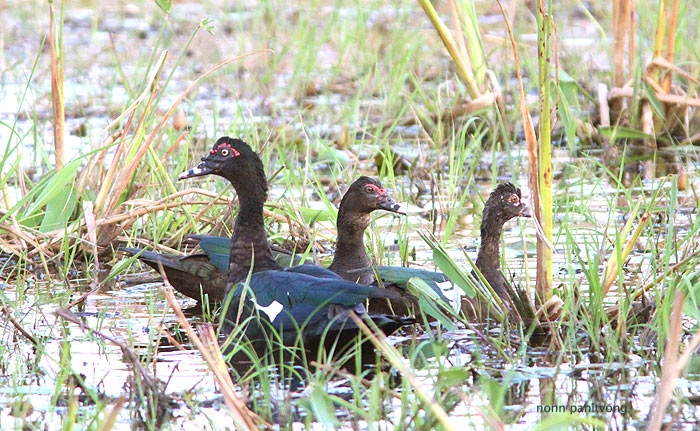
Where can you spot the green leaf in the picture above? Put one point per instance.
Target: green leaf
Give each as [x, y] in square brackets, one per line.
[618, 132]
[449, 267]
[565, 78]
[567, 118]
[59, 209]
[50, 189]
[313, 215]
[654, 101]
[165, 5]
[429, 302]
[452, 377]
[323, 407]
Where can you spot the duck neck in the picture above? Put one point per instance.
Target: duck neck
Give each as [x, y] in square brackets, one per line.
[488, 259]
[249, 245]
[489, 252]
[350, 260]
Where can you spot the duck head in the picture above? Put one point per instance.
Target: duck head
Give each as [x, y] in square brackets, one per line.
[234, 160]
[505, 203]
[366, 195]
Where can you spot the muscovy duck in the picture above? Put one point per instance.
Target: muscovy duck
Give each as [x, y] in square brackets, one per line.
[208, 270]
[305, 301]
[504, 203]
[351, 261]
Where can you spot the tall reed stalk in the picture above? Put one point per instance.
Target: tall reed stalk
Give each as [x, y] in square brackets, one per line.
[539, 153]
[59, 113]
[543, 199]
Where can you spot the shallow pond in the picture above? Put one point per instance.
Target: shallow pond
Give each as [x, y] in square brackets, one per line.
[134, 312]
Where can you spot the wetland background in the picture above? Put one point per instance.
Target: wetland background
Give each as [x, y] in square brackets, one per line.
[327, 92]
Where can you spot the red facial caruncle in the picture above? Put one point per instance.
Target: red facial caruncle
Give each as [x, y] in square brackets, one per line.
[224, 148]
[371, 188]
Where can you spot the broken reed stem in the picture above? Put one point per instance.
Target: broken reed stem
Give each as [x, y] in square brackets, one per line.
[8, 315]
[666, 79]
[660, 31]
[673, 363]
[691, 259]
[621, 35]
[128, 353]
[209, 348]
[628, 92]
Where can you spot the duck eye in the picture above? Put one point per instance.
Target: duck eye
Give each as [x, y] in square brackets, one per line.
[369, 189]
[224, 152]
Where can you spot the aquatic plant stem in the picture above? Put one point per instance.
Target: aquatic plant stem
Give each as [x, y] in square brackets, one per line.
[378, 339]
[207, 345]
[622, 32]
[59, 113]
[461, 65]
[149, 386]
[673, 363]
[543, 208]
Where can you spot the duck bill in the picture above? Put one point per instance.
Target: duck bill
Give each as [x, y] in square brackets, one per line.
[525, 212]
[198, 171]
[388, 204]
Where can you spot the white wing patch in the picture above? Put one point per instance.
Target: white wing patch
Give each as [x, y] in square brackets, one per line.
[453, 295]
[445, 286]
[272, 310]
